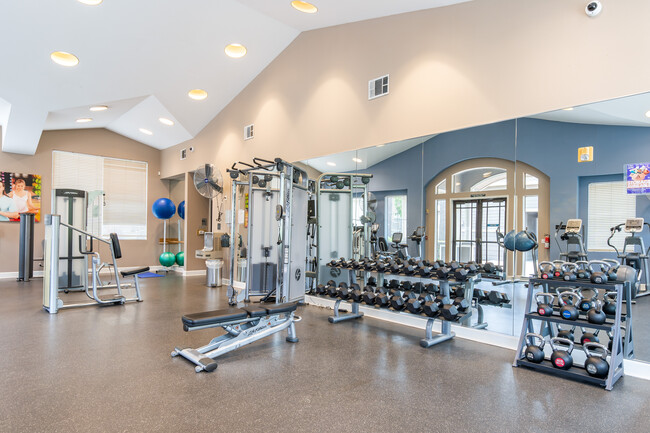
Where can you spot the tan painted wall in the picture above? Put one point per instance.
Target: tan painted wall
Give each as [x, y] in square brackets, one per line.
[452, 67]
[89, 141]
[196, 209]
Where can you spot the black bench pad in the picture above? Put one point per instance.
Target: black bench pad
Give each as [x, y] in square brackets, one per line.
[134, 272]
[214, 317]
[255, 311]
[281, 308]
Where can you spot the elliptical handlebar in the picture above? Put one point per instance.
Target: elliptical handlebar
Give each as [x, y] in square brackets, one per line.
[613, 231]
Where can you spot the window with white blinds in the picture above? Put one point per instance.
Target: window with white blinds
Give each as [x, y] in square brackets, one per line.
[123, 207]
[609, 205]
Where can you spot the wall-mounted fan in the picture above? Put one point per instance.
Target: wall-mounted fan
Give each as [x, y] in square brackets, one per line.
[209, 183]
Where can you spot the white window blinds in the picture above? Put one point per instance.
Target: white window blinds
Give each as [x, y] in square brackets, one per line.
[125, 186]
[609, 205]
[123, 208]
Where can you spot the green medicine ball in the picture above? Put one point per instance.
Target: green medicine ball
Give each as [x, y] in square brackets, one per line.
[167, 259]
[180, 258]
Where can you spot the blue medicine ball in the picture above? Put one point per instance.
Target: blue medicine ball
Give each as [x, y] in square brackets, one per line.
[181, 209]
[163, 208]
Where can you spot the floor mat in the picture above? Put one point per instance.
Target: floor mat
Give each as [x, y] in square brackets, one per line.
[149, 275]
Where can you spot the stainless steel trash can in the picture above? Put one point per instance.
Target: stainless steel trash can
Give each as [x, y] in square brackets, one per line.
[241, 270]
[213, 272]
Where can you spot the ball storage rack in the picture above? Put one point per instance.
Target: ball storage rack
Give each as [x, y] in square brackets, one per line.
[612, 325]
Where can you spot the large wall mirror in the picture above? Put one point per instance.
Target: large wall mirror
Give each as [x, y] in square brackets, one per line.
[596, 161]
[439, 197]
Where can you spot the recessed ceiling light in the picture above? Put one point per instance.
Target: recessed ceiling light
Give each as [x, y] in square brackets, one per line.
[331, 164]
[235, 51]
[146, 131]
[166, 121]
[356, 160]
[381, 145]
[90, 2]
[64, 59]
[647, 114]
[568, 109]
[305, 7]
[197, 94]
[99, 108]
[84, 120]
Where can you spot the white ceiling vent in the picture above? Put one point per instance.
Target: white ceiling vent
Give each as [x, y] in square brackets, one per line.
[378, 87]
[248, 132]
[183, 154]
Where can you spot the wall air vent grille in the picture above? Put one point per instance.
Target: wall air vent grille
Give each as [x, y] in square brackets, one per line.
[378, 87]
[248, 132]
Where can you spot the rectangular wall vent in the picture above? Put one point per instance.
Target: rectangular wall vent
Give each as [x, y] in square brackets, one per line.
[378, 87]
[248, 132]
[183, 154]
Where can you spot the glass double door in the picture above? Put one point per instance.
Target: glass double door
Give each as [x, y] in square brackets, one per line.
[476, 224]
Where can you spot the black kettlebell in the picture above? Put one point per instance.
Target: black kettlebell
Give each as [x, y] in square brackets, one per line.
[596, 314]
[599, 276]
[569, 310]
[587, 302]
[544, 308]
[610, 303]
[562, 359]
[589, 337]
[558, 272]
[566, 333]
[569, 271]
[546, 270]
[534, 353]
[613, 269]
[583, 270]
[595, 365]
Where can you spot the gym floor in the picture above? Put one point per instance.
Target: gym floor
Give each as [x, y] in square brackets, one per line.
[109, 369]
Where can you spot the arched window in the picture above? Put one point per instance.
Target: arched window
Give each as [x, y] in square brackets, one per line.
[466, 217]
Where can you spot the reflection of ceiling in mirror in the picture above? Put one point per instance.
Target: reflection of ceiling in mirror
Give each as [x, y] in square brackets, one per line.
[629, 111]
[363, 158]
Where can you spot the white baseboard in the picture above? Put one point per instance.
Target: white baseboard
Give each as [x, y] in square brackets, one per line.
[633, 368]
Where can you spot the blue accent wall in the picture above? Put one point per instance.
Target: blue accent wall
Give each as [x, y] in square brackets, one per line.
[549, 146]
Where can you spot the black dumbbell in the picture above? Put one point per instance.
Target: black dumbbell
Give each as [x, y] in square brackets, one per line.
[332, 290]
[431, 308]
[480, 295]
[344, 291]
[355, 293]
[498, 298]
[397, 302]
[372, 281]
[382, 299]
[443, 273]
[415, 305]
[368, 297]
[461, 303]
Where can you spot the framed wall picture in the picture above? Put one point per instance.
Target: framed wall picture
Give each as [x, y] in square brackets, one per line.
[19, 193]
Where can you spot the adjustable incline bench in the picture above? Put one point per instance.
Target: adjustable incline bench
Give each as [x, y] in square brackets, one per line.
[242, 325]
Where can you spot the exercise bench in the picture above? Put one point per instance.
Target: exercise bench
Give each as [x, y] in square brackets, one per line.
[242, 325]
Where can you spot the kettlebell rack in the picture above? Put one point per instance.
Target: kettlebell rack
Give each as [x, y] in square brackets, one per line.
[612, 325]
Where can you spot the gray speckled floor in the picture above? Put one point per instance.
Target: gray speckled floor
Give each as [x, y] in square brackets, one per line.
[108, 369]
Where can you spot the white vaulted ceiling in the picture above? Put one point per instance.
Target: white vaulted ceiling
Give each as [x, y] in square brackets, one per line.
[141, 57]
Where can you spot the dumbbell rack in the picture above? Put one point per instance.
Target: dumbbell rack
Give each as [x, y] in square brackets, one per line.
[612, 325]
[429, 340]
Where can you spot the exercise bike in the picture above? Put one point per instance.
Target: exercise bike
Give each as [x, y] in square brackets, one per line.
[637, 259]
[573, 237]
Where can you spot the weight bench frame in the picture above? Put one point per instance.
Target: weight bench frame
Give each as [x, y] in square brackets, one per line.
[238, 333]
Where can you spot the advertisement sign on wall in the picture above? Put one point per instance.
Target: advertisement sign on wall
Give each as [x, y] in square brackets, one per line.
[19, 193]
[638, 178]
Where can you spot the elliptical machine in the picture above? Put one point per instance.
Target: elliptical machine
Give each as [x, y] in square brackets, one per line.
[637, 259]
[575, 247]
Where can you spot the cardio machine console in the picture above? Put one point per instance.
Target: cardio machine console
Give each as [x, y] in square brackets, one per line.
[573, 226]
[634, 225]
